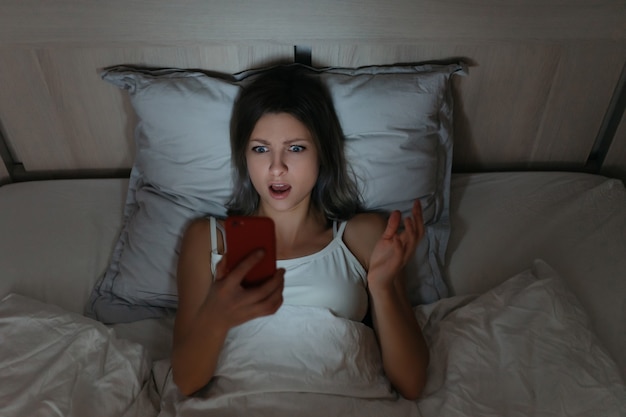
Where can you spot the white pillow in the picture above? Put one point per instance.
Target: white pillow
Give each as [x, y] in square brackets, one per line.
[398, 127]
[524, 348]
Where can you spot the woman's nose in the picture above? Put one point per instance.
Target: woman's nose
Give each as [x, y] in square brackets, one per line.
[278, 166]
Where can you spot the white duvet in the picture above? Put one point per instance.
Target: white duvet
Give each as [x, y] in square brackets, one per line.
[300, 361]
[524, 348]
[57, 363]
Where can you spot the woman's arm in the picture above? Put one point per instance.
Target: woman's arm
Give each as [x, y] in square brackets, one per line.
[385, 252]
[207, 309]
[404, 351]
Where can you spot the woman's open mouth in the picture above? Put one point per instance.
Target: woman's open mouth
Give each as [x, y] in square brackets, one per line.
[279, 190]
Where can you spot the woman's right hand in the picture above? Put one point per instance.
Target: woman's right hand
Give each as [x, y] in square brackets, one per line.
[209, 306]
[232, 304]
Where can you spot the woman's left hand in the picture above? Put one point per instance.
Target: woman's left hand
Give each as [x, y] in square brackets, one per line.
[393, 250]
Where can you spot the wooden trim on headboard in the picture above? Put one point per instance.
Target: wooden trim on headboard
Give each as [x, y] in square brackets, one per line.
[19, 174]
[7, 165]
[14, 171]
[615, 162]
[609, 128]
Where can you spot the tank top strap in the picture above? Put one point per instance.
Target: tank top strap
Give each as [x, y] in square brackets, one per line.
[214, 227]
[338, 230]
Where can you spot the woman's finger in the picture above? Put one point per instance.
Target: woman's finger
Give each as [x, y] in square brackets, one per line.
[418, 219]
[258, 293]
[245, 304]
[409, 225]
[239, 272]
[263, 299]
[267, 306]
[220, 269]
[410, 230]
[392, 225]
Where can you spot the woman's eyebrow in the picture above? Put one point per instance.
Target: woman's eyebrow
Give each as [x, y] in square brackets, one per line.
[288, 141]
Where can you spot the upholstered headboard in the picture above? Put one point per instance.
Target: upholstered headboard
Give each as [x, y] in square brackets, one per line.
[545, 88]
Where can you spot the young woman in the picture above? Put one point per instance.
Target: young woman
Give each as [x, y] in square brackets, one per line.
[287, 150]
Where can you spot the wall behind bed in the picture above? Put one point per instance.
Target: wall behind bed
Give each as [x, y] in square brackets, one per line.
[545, 89]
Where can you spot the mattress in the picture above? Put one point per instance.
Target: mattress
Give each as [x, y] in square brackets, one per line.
[575, 222]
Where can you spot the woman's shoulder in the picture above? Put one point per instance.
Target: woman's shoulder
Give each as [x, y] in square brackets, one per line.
[198, 226]
[362, 232]
[366, 221]
[198, 231]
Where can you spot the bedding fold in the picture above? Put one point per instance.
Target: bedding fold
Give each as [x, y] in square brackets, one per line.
[57, 363]
[524, 348]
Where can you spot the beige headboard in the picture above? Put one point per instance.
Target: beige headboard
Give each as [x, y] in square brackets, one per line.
[545, 88]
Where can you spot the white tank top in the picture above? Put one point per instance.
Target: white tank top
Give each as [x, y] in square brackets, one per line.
[332, 278]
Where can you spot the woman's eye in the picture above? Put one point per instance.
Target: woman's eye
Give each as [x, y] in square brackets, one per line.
[296, 148]
[260, 149]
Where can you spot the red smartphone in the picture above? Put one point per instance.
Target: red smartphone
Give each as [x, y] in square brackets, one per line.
[245, 234]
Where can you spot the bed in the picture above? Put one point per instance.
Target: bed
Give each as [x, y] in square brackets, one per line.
[529, 328]
[510, 131]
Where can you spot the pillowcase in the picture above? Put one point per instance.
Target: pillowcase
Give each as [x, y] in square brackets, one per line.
[524, 348]
[398, 126]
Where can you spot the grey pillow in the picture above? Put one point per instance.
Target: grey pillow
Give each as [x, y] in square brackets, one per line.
[398, 126]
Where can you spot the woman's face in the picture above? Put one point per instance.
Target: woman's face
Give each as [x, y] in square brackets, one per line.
[282, 162]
